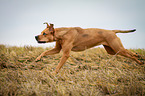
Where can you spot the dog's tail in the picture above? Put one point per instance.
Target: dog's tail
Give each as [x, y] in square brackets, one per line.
[123, 31]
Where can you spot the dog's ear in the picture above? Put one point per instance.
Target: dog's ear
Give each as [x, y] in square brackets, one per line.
[51, 25]
[47, 24]
[51, 28]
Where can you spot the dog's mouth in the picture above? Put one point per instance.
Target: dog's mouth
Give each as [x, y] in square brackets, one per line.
[41, 41]
[36, 37]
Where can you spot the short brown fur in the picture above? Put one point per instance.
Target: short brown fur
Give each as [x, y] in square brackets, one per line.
[78, 39]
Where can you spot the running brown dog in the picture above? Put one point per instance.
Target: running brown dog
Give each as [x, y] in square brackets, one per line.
[78, 39]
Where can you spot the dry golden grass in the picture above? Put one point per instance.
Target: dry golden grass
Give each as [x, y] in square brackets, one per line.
[89, 73]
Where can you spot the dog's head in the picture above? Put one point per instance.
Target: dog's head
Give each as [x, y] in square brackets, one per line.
[47, 35]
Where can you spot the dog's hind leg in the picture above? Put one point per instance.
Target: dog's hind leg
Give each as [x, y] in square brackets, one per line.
[135, 54]
[117, 46]
[126, 53]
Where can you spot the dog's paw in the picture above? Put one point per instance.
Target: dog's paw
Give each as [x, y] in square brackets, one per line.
[37, 59]
[141, 62]
[56, 71]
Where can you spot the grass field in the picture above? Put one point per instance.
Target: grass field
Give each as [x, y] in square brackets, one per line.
[89, 73]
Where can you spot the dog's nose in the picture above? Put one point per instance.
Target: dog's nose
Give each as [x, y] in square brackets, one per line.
[36, 37]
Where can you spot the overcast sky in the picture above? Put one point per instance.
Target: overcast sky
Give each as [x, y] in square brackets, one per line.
[21, 20]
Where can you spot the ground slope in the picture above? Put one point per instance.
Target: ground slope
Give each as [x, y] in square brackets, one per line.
[89, 73]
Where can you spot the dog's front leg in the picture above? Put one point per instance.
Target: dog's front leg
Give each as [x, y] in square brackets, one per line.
[48, 52]
[65, 56]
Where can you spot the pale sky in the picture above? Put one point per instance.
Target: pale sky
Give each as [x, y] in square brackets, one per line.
[21, 20]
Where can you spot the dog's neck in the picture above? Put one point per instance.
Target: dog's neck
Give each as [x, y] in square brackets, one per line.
[59, 32]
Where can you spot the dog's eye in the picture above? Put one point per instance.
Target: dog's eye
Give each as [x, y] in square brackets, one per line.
[44, 33]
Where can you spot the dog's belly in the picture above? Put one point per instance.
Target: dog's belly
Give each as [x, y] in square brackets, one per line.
[87, 44]
[78, 48]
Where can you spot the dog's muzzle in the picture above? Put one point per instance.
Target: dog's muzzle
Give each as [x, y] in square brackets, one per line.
[36, 37]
